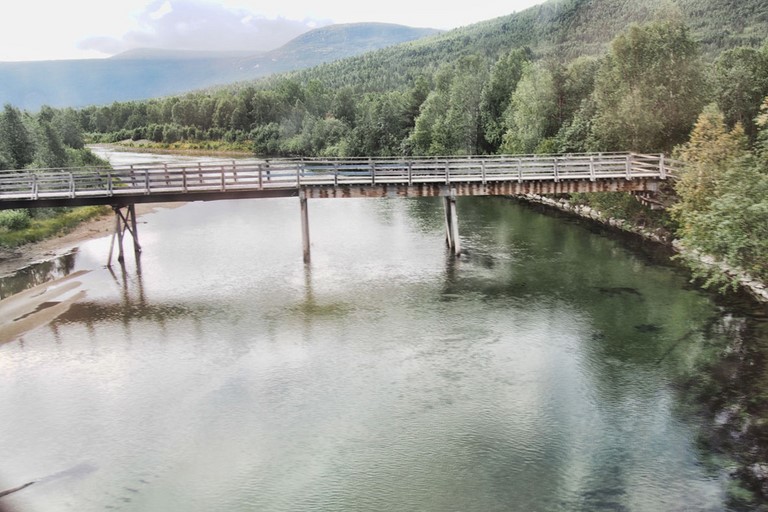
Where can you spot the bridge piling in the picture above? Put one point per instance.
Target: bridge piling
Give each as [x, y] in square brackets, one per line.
[304, 225]
[452, 223]
[124, 222]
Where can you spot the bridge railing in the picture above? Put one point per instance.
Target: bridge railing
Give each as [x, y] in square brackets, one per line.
[257, 174]
[505, 168]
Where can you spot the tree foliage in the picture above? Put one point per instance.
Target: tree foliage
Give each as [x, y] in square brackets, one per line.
[532, 114]
[711, 151]
[649, 90]
[741, 82]
[723, 206]
[52, 138]
[16, 142]
[497, 93]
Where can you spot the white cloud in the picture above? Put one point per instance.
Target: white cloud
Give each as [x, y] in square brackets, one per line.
[161, 11]
[89, 28]
[196, 25]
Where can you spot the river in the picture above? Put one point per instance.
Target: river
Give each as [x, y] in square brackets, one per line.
[550, 368]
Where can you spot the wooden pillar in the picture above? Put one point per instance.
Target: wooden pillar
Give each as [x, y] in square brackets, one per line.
[304, 225]
[119, 234]
[124, 222]
[134, 231]
[452, 223]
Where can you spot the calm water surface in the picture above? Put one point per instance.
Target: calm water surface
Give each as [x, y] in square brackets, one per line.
[539, 372]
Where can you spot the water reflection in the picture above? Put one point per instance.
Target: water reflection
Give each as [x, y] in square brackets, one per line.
[546, 369]
[37, 274]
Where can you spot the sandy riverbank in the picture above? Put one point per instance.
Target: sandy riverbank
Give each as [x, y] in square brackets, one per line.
[16, 259]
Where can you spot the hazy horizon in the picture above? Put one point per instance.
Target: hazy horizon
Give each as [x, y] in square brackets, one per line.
[86, 29]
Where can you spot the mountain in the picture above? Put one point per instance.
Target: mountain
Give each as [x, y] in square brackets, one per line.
[335, 42]
[149, 73]
[560, 29]
[163, 54]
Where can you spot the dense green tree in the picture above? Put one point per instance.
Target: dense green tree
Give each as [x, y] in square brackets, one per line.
[715, 158]
[16, 142]
[67, 125]
[463, 119]
[343, 105]
[184, 113]
[735, 227]
[710, 152]
[222, 114]
[450, 120]
[266, 108]
[266, 140]
[504, 77]
[649, 89]
[740, 83]
[532, 114]
[723, 207]
[575, 135]
[429, 135]
[416, 96]
[317, 98]
[240, 120]
[50, 150]
[5, 161]
[381, 125]
[761, 146]
[576, 86]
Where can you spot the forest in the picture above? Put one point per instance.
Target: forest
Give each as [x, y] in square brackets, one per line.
[655, 87]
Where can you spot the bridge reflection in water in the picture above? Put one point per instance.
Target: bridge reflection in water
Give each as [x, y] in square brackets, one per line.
[124, 186]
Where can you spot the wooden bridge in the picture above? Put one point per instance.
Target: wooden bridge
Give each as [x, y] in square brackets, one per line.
[124, 186]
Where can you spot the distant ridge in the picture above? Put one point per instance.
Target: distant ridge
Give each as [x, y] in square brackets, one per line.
[149, 73]
[332, 43]
[162, 54]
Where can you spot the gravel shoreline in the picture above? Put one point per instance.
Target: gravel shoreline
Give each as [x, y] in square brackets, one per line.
[13, 260]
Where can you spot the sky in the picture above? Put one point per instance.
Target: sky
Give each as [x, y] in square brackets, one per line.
[82, 29]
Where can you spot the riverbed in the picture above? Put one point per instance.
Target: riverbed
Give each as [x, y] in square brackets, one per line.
[548, 368]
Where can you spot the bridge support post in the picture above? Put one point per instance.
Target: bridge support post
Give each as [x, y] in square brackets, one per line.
[452, 223]
[124, 221]
[304, 225]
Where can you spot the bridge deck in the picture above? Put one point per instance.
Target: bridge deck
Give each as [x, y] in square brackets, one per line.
[329, 178]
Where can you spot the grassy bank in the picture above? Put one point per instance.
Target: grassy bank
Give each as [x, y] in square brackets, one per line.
[17, 228]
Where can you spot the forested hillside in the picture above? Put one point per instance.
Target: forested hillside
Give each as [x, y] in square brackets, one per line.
[560, 30]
